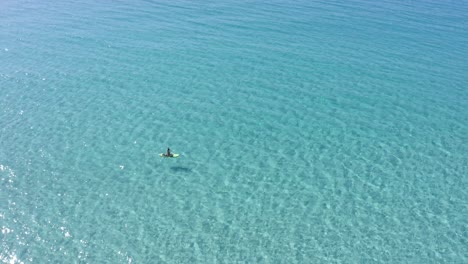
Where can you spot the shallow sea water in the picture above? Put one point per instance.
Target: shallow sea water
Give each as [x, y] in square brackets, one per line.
[309, 132]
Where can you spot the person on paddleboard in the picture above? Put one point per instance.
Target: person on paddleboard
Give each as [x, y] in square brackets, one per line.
[168, 153]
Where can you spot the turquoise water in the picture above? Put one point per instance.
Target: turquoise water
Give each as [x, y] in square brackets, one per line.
[309, 131]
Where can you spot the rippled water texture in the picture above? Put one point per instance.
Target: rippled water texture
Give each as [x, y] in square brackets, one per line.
[309, 131]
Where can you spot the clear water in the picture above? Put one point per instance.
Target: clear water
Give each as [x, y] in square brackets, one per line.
[309, 131]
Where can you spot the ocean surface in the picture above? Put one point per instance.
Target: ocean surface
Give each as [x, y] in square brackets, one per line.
[309, 131]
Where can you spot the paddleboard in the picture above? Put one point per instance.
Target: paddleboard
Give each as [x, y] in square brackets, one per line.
[173, 155]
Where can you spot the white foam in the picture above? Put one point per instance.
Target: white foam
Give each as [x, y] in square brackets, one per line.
[6, 230]
[10, 259]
